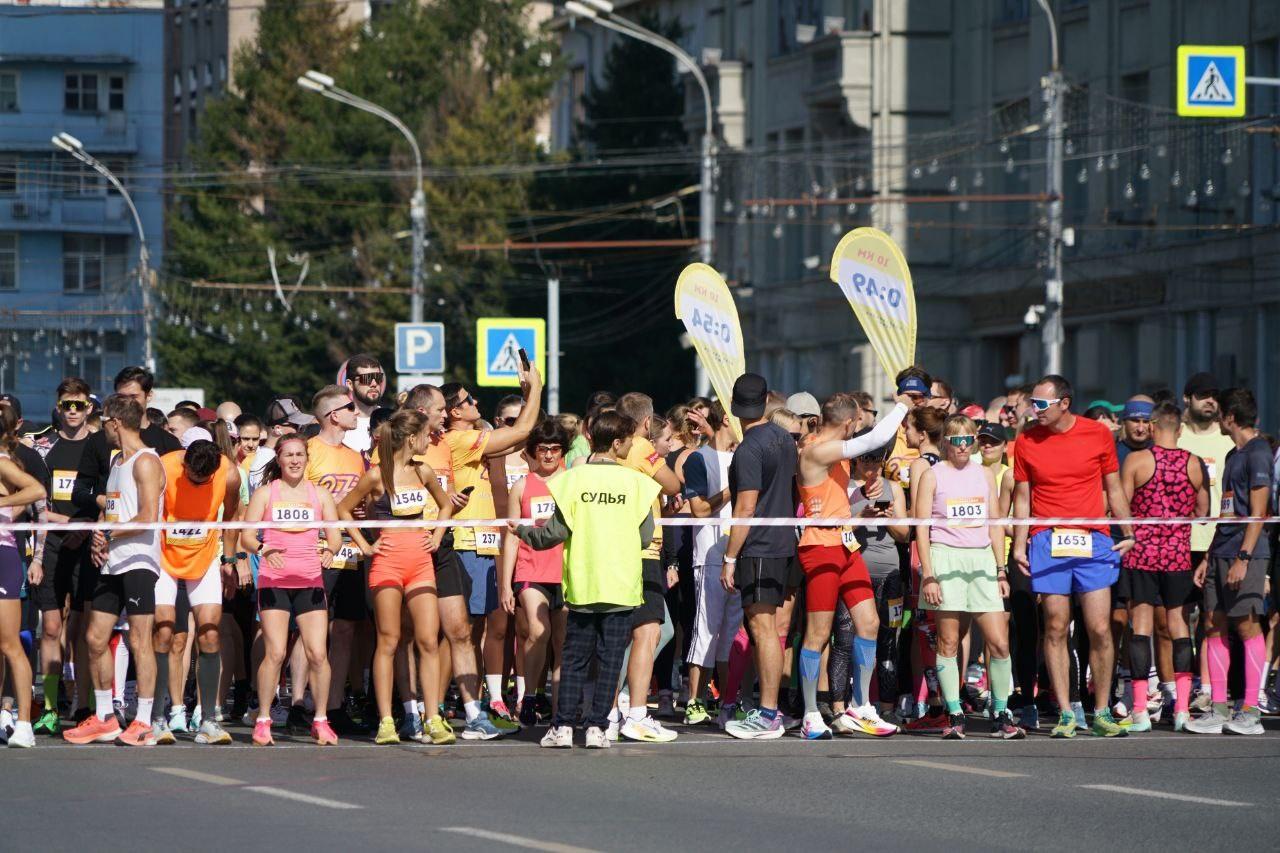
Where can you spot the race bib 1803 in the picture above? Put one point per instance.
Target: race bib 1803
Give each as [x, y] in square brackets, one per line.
[1070, 542]
[966, 512]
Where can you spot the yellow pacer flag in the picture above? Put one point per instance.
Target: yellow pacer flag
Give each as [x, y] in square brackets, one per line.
[875, 278]
[705, 305]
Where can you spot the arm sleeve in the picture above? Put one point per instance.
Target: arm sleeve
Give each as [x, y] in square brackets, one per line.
[552, 533]
[880, 435]
[647, 527]
[695, 477]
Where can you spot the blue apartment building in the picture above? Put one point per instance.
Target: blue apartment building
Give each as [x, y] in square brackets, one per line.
[70, 302]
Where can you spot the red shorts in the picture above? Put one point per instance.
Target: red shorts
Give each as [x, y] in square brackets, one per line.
[831, 573]
[402, 568]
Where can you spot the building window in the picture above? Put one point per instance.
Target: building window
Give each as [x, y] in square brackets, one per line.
[8, 92]
[80, 94]
[222, 69]
[208, 75]
[9, 167]
[8, 261]
[82, 262]
[87, 367]
[193, 82]
[8, 372]
[177, 92]
[115, 92]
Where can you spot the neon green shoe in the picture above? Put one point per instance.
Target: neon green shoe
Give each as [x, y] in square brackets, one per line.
[505, 725]
[48, 723]
[1105, 725]
[1066, 726]
[695, 713]
[439, 733]
[387, 732]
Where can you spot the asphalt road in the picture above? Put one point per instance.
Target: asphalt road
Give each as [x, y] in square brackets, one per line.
[702, 792]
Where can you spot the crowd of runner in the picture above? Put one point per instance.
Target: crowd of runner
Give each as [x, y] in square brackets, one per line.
[632, 601]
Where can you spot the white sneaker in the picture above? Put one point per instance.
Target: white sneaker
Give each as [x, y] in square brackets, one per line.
[624, 701]
[615, 722]
[177, 719]
[22, 737]
[558, 737]
[211, 732]
[596, 739]
[647, 730]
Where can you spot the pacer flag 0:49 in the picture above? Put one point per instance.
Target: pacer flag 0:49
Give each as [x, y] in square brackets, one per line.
[870, 269]
[704, 303]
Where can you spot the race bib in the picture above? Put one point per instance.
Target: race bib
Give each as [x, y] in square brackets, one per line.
[444, 483]
[408, 502]
[542, 508]
[895, 612]
[192, 535]
[514, 477]
[487, 542]
[289, 514]
[347, 557]
[112, 511]
[1070, 542]
[1227, 508]
[63, 483]
[849, 540]
[966, 512]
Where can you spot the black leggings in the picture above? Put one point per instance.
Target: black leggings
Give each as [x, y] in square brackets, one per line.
[1025, 634]
[888, 593]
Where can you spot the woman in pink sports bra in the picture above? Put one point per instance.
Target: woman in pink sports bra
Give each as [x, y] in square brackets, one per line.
[289, 580]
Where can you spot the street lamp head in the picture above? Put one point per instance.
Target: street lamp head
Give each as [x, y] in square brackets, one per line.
[324, 80]
[67, 143]
[310, 85]
[603, 6]
[579, 11]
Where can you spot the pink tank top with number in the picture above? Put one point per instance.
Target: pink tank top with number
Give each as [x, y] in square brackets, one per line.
[538, 566]
[301, 559]
[960, 499]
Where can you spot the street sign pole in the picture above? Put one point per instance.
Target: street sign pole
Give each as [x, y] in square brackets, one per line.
[553, 345]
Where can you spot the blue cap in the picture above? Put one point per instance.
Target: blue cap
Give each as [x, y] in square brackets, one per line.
[1137, 410]
[914, 385]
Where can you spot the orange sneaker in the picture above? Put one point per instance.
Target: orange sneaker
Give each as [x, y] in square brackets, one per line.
[93, 730]
[262, 733]
[322, 733]
[138, 734]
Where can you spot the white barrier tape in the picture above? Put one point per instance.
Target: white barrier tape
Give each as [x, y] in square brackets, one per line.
[71, 526]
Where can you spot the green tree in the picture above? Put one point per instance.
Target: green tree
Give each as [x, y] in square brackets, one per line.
[327, 186]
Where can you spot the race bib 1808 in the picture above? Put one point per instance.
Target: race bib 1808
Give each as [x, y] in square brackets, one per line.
[288, 514]
[1070, 542]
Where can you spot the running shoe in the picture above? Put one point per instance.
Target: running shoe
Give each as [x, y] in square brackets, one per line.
[790, 723]
[1077, 711]
[212, 733]
[928, 724]
[48, 724]
[340, 721]
[500, 717]
[813, 728]
[296, 721]
[1267, 704]
[1207, 724]
[1003, 728]
[528, 713]
[138, 734]
[824, 708]
[695, 713]
[647, 730]
[439, 732]
[23, 737]
[262, 733]
[481, 728]
[197, 719]
[756, 727]
[322, 733]
[1066, 726]
[411, 728]
[250, 716]
[93, 730]
[386, 732]
[864, 720]
[1202, 701]
[615, 725]
[177, 719]
[557, 737]
[1029, 717]
[728, 714]
[164, 736]
[1180, 721]
[595, 739]
[1105, 725]
[1140, 721]
[666, 707]
[7, 720]
[955, 727]
[1246, 721]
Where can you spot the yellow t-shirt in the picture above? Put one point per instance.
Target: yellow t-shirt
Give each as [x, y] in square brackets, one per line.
[335, 469]
[466, 448]
[1212, 448]
[898, 466]
[645, 459]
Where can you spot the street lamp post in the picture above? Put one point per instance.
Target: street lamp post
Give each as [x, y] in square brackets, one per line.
[1051, 327]
[314, 81]
[68, 143]
[601, 11]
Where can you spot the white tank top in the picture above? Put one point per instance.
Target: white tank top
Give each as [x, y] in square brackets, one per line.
[137, 550]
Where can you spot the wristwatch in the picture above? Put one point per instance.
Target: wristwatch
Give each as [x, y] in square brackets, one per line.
[1244, 555]
[227, 561]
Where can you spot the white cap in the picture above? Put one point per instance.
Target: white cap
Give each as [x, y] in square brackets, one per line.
[194, 434]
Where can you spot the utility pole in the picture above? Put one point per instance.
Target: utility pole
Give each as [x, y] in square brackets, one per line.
[1053, 87]
[553, 345]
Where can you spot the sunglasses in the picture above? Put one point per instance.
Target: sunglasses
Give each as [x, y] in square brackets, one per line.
[464, 401]
[73, 405]
[349, 407]
[961, 440]
[549, 450]
[1040, 404]
[508, 421]
[368, 378]
[875, 413]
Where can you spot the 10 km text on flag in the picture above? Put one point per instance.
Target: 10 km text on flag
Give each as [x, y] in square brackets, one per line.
[874, 276]
[705, 305]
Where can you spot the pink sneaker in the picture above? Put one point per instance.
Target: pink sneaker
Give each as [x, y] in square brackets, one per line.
[322, 733]
[262, 733]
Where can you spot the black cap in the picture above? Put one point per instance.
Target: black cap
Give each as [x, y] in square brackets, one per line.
[1202, 385]
[993, 431]
[12, 402]
[750, 393]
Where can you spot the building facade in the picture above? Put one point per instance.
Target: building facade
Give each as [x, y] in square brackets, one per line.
[925, 118]
[70, 300]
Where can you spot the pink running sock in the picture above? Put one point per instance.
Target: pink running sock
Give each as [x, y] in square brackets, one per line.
[1182, 696]
[1219, 665]
[1255, 658]
[739, 656]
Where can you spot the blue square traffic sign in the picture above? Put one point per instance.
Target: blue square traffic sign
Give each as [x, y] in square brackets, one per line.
[498, 344]
[1211, 81]
[419, 347]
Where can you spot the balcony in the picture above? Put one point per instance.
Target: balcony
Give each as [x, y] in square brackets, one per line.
[101, 133]
[97, 214]
[840, 75]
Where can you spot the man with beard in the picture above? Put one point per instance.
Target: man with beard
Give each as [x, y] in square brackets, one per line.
[1135, 425]
[366, 381]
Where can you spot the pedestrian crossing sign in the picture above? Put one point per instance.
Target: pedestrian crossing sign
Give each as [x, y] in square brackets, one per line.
[498, 344]
[1211, 81]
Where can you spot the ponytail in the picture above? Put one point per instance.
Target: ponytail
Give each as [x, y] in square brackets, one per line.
[390, 437]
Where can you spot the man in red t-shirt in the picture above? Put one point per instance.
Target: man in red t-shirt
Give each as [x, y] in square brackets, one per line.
[1066, 467]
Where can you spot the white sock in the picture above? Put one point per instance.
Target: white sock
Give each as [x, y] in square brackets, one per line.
[637, 713]
[22, 726]
[473, 710]
[615, 716]
[519, 689]
[411, 707]
[494, 685]
[144, 710]
[102, 703]
[265, 719]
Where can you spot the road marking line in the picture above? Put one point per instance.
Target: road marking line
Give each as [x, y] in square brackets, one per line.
[959, 768]
[1164, 795]
[301, 798]
[197, 776]
[517, 840]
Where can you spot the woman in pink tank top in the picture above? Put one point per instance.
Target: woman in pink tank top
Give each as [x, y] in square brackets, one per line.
[962, 573]
[530, 586]
[289, 579]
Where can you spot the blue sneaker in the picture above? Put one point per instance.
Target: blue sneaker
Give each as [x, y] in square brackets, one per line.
[1029, 717]
[480, 729]
[411, 728]
[756, 727]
